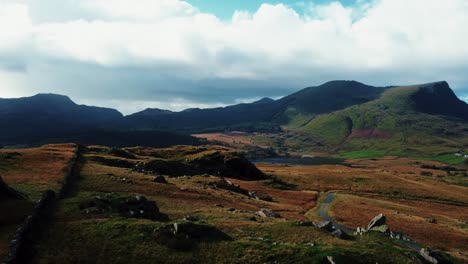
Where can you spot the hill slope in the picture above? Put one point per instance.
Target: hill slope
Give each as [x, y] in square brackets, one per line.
[265, 114]
[408, 119]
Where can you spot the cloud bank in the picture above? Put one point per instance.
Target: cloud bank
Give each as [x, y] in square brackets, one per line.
[166, 53]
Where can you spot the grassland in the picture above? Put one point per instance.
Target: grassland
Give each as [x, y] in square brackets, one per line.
[30, 171]
[395, 186]
[76, 236]
[410, 192]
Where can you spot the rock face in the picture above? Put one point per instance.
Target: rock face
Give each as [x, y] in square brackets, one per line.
[131, 207]
[268, 213]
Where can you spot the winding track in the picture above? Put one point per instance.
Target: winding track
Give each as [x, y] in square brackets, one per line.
[323, 212]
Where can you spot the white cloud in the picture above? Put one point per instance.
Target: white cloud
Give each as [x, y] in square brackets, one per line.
[139, 10]
[380, 42]
[15, 26]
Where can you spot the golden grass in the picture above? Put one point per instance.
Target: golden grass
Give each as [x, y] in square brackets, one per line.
[41, 168]
[409, 217]
[373, 179]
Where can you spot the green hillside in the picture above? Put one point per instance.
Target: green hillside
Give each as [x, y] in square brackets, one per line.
[394, 124]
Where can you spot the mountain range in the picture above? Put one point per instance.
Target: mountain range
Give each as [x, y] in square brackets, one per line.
[339, 114]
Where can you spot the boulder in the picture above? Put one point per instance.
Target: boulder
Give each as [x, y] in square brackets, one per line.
[268, 213]
[377, 221]
[338, 233]
[431, 257]
[160, 179]
[186, 235]
[325, 225]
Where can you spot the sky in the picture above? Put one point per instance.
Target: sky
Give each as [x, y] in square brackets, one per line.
[172, 54]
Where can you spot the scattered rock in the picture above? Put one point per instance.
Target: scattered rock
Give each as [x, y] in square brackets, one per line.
[227, 185]
[338, 233]
[432, 220]
[305, 223]
[191, 218]
[360, 231]
[185, 235]
[267, 213]
[160, 179]
[131, 207]
[325, 225]
[398, 235]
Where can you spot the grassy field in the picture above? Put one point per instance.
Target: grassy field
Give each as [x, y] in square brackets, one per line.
[226, 228]
[411, 218]
[408, 191]
[30, 171]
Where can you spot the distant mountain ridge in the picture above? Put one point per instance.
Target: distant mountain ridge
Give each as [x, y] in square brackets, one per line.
[48, 115]
[266, 114]
[332, 113]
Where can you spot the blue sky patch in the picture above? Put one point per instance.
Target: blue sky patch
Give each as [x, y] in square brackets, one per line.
[225, 8]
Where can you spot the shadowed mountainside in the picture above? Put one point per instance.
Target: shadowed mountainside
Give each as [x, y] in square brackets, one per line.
[263, 115]
[30, 119]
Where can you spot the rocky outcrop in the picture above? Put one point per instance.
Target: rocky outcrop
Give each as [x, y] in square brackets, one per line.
[130, 207]
[379, 220]
[184, 236]
[328, 226]
[268, 213]
[217, 163]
